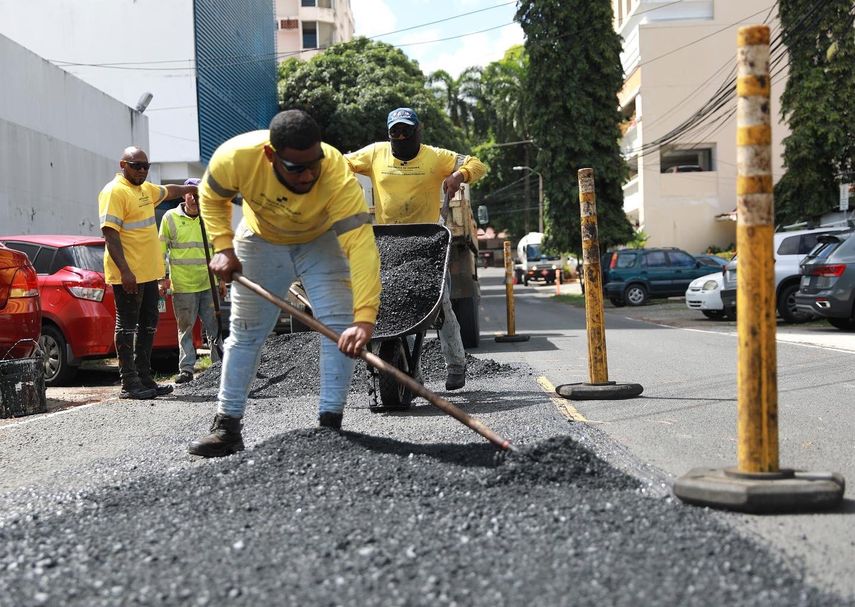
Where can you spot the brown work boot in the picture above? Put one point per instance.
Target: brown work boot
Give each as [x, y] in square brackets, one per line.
[224, 439]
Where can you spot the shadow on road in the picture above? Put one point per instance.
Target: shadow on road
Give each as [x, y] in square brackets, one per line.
[470, 455]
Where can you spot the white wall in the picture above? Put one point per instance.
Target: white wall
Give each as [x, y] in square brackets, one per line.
[156, 35]
[60, 142]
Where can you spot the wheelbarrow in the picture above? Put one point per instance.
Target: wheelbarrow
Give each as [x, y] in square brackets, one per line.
[390, 340]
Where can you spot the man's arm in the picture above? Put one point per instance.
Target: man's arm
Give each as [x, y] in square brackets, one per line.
[470, 170]
[117, 254]
[178, 191]
[361, 161]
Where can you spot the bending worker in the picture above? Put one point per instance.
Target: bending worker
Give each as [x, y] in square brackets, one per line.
[407, 177]
[304, 216]
[187, 275]
[133, 264]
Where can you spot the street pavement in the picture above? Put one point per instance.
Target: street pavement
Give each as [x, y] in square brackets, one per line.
[101, 505]
[686, 417]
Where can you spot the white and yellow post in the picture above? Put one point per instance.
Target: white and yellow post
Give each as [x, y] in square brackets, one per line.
[511, 335]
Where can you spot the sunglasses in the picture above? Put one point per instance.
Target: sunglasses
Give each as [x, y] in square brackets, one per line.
[295, 168]
[138, 166]
[402, 130]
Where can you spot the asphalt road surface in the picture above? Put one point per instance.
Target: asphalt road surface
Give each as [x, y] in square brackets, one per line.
[101, 505]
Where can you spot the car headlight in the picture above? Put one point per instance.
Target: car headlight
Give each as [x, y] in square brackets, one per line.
[534, 268]
[710, 285]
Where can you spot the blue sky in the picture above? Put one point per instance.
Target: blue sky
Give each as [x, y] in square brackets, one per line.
[376, 17]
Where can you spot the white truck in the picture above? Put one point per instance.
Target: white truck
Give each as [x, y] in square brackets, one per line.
[532, 264]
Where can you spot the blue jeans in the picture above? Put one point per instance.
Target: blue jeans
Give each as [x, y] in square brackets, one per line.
[187, 307]
[325, 273]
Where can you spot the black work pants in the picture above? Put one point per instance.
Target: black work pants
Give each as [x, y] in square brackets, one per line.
[136, 323]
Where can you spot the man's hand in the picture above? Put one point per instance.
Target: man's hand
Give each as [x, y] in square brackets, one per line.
[221, 288]
[355, 338]
[163, 285]
[452, 183]
[224, 263]
[129, 282]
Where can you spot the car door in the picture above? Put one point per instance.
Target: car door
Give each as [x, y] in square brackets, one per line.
[657, 271]
[684, 270]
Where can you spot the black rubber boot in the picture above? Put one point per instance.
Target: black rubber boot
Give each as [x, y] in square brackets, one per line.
[142, 362]
[159, 389]
[455, 380]
[330, 420]
[136, 390]
[224, 439]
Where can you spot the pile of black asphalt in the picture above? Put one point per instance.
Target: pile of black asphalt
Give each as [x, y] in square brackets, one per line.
[290, 365]
[314, 517]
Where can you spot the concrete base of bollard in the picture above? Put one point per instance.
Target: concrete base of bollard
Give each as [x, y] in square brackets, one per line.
[783, 491]
[607, 391]
[511, 338]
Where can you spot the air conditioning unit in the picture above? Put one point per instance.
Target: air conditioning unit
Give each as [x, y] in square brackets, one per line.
[289, 24]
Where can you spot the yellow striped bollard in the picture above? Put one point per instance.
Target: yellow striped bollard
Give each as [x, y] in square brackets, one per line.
[511, 335]
[756, 484]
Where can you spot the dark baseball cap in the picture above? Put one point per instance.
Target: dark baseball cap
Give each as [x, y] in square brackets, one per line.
[402, 114]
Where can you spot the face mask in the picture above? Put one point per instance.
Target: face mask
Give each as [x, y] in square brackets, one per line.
[406, 149]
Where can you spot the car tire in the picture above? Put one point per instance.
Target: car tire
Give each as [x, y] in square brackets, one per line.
[58, 372]
[466, 311]
[844, 324]
[635, 295]
[617, 302]
[713, 314]
[787, 305]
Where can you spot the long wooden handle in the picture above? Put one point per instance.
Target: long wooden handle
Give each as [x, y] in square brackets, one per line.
[380, 364]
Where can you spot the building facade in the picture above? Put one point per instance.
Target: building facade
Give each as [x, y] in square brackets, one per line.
[306, 27]
[59, 139]
[200, 70]
[676, 57]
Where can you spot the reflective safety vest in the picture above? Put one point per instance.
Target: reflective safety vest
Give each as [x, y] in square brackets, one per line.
[184, 252]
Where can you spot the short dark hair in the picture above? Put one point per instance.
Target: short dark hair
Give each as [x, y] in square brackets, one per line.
[294, 129]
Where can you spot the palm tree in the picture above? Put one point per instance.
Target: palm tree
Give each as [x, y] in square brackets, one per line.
[459, 95]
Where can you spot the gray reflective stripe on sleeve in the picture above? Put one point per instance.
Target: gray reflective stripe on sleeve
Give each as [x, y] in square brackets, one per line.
[163, 192]
[188, 245]
[170, 224]
[218, 189]
[136, 225]
[350, 223]
[188, 262]
[459, 161]
[112, 219]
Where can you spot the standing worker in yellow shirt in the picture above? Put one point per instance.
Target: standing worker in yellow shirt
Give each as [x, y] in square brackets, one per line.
[304, 216]
[132, 265]
[407, 177]
[184, 254]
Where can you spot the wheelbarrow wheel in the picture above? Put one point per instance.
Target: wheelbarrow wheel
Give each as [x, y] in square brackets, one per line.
[393, 395]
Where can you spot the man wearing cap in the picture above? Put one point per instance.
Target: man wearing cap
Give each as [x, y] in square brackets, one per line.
[408, 178]
[183, 248]
[132, 265]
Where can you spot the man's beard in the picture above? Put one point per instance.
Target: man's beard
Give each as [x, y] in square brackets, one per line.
[406, 149]
[290, 188]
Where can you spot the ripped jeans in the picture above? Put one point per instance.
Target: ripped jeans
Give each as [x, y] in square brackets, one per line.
[325, 273]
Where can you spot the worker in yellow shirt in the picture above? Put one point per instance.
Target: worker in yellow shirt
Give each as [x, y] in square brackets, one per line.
[132, 265]
[408, 178]
[304, 216]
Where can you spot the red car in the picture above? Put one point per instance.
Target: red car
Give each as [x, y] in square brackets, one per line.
[78, 313]
[20, 310]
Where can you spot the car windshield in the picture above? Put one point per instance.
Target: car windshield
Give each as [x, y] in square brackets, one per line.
[88, 257]
[532, 252]
[828, 243]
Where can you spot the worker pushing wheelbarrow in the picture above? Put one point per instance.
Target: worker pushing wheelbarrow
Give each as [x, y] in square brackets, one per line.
[413, 274]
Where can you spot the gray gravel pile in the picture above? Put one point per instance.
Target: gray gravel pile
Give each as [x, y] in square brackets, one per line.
[411, 272]
[312, 517]
[290, 366]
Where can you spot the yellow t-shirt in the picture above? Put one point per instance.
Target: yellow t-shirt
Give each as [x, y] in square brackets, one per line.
[281, 216]
[409, 191]
[129, 209]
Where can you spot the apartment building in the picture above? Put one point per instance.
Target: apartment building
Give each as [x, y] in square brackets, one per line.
[676, 55]
[201, 71]
[306, 27]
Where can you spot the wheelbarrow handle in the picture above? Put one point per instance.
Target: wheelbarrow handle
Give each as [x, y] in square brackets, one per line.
[380, 364]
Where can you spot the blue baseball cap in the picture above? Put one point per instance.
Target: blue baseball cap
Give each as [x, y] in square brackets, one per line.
[192, 181]
[402, 114]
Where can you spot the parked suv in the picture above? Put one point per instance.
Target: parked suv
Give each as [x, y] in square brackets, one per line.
[828, 281]
[20, 310]
[78, 313]
[632, 276]
[789, 249]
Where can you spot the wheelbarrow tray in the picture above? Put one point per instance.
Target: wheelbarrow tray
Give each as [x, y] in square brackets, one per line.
[405, 231]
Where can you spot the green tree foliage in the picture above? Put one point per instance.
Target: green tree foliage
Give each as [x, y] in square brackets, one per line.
[458, 95]
[574, 77]
[351, 87]
[818, 105]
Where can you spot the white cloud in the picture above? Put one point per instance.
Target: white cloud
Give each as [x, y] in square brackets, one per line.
[373, 17]
[454, 56]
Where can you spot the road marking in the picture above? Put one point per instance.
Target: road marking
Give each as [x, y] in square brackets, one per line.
[44, 416]
[563, 404]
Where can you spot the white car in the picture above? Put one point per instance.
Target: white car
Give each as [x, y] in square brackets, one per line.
[704, 294]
